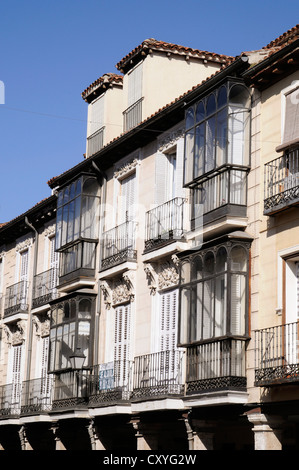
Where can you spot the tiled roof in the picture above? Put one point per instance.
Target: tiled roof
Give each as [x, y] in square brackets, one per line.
[105, 80]
[152, 44]
[285, 38]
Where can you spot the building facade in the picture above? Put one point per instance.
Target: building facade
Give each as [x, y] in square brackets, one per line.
[133, 310]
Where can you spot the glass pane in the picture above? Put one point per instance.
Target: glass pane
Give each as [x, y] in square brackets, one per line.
[70, 225]
[90, 187]
[196, 268]
[184, 315]
[84, 309]
[238, 259]
[189, 118]
[72, 191]
[208, 309]
[239, 95]
[238, 187]
[77, 218]
[58, 228]
[199, 150]
[211, 105]
[200, 112]
[210, 144]
[220, 305]
[185, 272]
[221, 260]
[238, 304]
[209, 264]
[188, 159]
[66, 195]
[222, 97]
[221, 142]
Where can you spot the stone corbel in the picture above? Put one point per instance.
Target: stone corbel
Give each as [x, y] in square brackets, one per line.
[129, 278]
[107, 292]
[152, 277]
[42, 324]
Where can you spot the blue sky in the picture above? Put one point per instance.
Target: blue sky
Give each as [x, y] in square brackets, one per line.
[50, 51]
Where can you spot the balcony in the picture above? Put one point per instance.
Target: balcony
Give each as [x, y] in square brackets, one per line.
[164, 224]
[110, 383]
[277, 355]
[77, 261]
[118, 245]
[44, 287]
[71, 390]
[16, 299]
[133, 115]
[10, 401]
[95, 142]
[281, 182]
[36, 396]
[158, 375]
[216, 365]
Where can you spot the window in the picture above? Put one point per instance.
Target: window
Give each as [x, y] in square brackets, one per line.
[133, 114]
[290, 114]
[213, 293]
[77, 224]
[168, 320]
[217, 131]
[71, 327]
[122, 343]
[95, 129]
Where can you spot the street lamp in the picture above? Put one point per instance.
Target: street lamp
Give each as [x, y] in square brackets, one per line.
[77, 359]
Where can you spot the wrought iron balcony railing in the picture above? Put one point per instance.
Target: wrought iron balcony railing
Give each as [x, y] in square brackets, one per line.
[110, 382]
[164, 223]
[16, 299]
[71, 389]
[10, 400]
[216, 365]
[277, 355]
[158, 374]
[44, 287]
[118, 245]
[281, 182]
[95, 142]
[37, 395]
[133, 115]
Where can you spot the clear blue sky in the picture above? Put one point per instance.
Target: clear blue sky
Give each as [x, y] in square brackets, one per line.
[50, 51]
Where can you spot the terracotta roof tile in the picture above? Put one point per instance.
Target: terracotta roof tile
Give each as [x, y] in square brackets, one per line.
[152, 44]
[285, 38]
[107, 78]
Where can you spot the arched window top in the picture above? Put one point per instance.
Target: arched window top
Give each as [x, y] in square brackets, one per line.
[196, 271]
[185, 272]
[211, 104]
[221, 259]
[209, 263]
[189, 118]
[90, 187]
[239, 96]
[78, 187]
[200, 111]
[84, 309]
[238, 258]
[222, 97]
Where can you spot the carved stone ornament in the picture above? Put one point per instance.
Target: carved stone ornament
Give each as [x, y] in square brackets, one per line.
[168, 275]
[25, 244]
[50, 231]
[126, 169]
[107, 292]
[42, 324]
[152, 277]
[170, 139]
[15, 332]
[119, 290]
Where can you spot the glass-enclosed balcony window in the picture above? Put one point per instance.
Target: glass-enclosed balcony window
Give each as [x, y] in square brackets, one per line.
[71, 328]
[214, 293]
[217, 131]
[77, 209]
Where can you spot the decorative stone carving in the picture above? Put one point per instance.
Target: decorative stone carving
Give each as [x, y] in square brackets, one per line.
[42, 324]
[152, 277]
[168, 275]
[170, 139]
[24, 245]
[50, 231]
[107, 292]
[119, 290]
[126, 169]
[15, 332]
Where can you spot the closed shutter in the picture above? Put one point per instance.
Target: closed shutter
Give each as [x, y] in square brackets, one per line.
[96, 115]
[24, 266]
[179, 173]
[291, 122]
[15, 373]
[128, 198]
[160, 179]
[135, 85]
[45, 379]
[122, 343]
[54, 256]
[168, 320]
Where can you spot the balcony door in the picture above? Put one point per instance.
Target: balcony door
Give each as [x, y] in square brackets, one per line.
[14, 375]
[127, 198]
[291, 302]
[122, 343]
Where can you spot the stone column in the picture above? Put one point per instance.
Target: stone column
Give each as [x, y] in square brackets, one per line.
[203, 435]
[96, 443]
[146, 438]
[25, 445]
[267, 431]
[58, 443]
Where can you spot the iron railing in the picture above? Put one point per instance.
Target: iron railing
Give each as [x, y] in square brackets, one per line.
[158, 374]
[37, 395]
[277, 354]
[133, 115]
[71, 389]
[44, 287]
[164, 223]
[10, 400]
[16, 298]
[118, 244]
[95, 142]
[216, 365]
[110, 382]
[281, 182]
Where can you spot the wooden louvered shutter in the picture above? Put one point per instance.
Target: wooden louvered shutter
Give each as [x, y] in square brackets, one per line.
[122, 343]
[96, 115]
[16, 373]
[128, 198]
[168, 320]
[135, 85]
